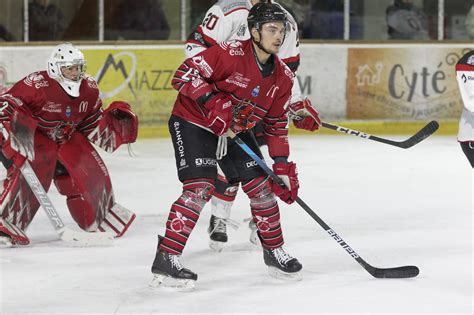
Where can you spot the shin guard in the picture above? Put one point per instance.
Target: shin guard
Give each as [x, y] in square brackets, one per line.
[185, 212]
[265, 211]
[223, 198]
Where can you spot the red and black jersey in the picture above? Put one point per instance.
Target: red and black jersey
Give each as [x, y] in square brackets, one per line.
[232, 67]
[58, 113]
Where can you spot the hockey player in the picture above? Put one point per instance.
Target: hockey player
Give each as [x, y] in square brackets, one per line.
[50, 117]
[227, 20]
[465, 77]
[232, 85]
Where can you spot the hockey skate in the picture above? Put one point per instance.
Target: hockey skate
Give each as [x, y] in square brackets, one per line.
[217, 233]
[5, 241]
[168, 272]
[282, 265]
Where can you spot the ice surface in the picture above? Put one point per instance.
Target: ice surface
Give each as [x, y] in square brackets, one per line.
[393, 206]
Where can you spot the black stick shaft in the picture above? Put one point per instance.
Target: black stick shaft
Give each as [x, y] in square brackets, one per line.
[399, 272]
[425, 132]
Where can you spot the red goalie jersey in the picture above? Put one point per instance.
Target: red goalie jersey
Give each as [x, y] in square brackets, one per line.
[58, 114]
[231, 67]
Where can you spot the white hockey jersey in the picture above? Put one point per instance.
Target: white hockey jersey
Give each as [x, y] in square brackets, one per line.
[465, 78]
[227, 20]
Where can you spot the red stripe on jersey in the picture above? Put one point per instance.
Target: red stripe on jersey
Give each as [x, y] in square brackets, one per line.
[463, 67]
[292, 62]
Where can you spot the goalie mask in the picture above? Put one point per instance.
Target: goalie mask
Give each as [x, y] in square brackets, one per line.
[67, 66]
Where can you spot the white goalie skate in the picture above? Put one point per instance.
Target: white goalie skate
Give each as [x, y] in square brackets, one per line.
[5, 242]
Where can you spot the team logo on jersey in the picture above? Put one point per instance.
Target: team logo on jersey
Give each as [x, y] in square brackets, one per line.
[271, 92]
[256, 91]
[470, 60]
[83, 106]
[52, 107]
[68, 111]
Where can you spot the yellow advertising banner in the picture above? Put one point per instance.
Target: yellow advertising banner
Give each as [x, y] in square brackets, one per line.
[141, 77]
[413, 83]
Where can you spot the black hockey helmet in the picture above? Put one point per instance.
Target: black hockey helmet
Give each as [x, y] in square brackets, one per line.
[265, 12]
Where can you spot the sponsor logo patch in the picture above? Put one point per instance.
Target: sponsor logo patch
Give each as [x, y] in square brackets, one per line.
[203, 66]
[68, 111]
[52, 107]
[256, 91]
[205, 162]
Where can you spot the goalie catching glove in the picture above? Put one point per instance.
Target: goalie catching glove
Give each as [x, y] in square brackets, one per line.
[289, 174]
[304, 115]
[119, 125]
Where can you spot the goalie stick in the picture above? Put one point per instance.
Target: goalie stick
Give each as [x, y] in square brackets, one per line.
[424, 133]
[74, 237]
[396, 272]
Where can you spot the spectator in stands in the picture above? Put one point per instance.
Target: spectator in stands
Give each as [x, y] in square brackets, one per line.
[144, 19]
[5, 35]
[46, 21]
[470, 22]
[406, 21]
[325, 20]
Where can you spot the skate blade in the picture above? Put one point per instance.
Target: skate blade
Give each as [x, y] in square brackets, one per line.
[216, 246]
[167, 282]
[5, 242]
[286, 276]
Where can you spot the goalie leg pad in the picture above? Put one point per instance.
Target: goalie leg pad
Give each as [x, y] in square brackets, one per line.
[117, 220]
[13, 233]
[18, 204]
[86, 183]
[265, 211]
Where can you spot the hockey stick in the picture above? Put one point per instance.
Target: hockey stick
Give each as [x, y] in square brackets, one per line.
[396, 272]
[66, 234]
[424, 133]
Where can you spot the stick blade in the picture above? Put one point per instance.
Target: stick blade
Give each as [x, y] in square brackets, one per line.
[85, 239]
[397, 273]
[421, 135]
